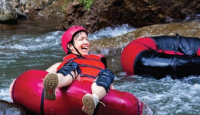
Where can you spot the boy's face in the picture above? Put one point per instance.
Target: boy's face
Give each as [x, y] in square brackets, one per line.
[81, 43]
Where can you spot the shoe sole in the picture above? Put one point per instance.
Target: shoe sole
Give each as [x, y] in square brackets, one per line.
[88, 104]
[50, 83]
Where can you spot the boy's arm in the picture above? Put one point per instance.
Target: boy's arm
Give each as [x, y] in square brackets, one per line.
[53, 68]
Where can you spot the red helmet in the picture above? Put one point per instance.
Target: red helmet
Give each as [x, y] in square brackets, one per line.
[67, 36]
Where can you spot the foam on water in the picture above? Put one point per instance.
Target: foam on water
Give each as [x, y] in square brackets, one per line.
[4, 95]
[165, 96]
[194, 18]
[31, 42]
[111, 32]
[52, 40]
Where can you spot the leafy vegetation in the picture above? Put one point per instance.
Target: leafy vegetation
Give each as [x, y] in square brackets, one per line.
[87, 3]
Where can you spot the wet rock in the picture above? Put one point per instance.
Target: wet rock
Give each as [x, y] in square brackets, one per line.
[114, 46]
[23, 2]
[7, 108]
[45, 10]
[104, 13]
[37, 4]
[136, 13]
[8, 14]
[18, 5]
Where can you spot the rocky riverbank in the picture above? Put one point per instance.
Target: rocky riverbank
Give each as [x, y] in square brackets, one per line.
[101, 14]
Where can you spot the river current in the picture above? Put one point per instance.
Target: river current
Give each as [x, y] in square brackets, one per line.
[39, 48]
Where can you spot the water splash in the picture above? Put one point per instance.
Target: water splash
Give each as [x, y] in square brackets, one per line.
[194, 18]
[4, 95]
[111, 32]
[165, 96]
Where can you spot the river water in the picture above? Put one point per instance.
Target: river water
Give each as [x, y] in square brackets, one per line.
[32, 46]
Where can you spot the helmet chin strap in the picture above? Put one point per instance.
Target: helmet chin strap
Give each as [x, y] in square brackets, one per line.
[76, 50]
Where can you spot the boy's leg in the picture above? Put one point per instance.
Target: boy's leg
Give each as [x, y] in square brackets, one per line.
[99, 89]
[90, 102]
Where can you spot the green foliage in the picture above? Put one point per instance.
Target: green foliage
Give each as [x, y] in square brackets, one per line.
[63, 7]
[87, 3]
[65, 4]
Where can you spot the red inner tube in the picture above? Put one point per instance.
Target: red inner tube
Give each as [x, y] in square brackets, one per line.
[28, 88]
[169, 55]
